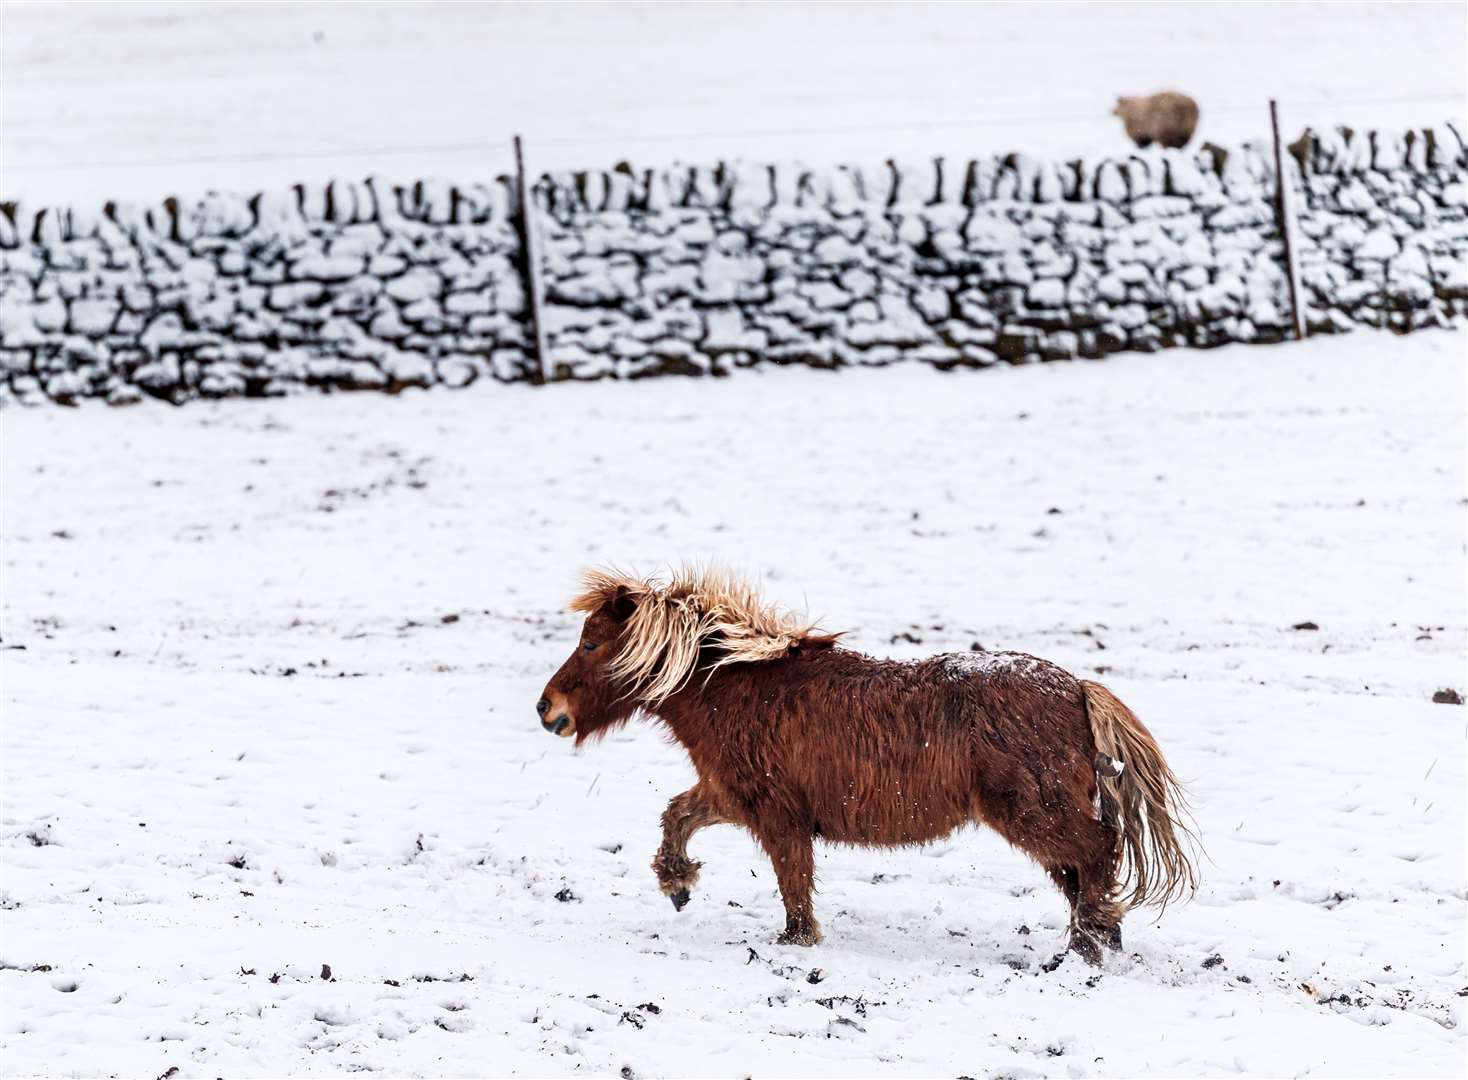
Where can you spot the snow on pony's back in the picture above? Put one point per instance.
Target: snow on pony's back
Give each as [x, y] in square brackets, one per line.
[1043, 673]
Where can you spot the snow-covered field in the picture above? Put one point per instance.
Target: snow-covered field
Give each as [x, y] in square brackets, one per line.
[142, 100]
[269, 669]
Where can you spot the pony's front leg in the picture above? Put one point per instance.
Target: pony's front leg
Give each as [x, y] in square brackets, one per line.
[685, 815]
[793, 856]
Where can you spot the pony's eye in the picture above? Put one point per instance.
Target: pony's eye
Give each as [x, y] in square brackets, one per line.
[589, 646]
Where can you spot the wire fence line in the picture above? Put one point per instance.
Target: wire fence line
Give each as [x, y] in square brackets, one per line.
[636, 138]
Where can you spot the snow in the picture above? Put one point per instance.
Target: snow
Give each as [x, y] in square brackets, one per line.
[268, 667]
[268, 670]
[239, 98]
[1037, 672]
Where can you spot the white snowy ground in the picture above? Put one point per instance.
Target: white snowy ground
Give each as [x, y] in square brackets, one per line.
[141, 100]
[269, 669]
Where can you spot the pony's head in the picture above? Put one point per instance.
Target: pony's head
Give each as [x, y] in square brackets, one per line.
[583, 697]
[644, 638]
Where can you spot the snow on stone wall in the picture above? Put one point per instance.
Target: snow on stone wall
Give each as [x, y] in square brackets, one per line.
[352, 286]
[1384, 240]
[704, 269]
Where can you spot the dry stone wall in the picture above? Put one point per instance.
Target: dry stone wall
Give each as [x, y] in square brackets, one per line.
[1383, 236]
[707, 269]
[346, 286]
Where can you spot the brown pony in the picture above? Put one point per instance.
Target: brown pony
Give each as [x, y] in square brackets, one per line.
[795, 739]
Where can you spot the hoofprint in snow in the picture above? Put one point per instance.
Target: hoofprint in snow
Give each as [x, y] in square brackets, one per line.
[269, 670]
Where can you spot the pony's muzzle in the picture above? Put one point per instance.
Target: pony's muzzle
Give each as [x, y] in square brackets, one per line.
[560, 724]
[555, 716]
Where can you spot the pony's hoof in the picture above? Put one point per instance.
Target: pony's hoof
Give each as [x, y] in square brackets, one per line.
[1084, 946]
[680, 899]
[804, 937]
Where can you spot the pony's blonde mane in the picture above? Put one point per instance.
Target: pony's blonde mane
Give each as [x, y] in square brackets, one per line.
[674, 618]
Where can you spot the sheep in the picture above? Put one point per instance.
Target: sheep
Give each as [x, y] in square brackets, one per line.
[1168, 118]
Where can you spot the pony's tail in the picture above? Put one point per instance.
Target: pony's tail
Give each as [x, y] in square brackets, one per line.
[1142, 800]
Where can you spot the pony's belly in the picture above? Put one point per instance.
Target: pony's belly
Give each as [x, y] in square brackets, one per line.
[886, 834]
[893, 795]
[891, 822]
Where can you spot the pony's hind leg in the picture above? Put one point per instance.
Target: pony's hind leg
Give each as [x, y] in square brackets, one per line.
[685, 815]
[1068, 882]
[1079, 854]
[1088, 880]
[1097, 914]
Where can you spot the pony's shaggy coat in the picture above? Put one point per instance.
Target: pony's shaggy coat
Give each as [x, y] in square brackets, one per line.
[674, 621]
[794, 738]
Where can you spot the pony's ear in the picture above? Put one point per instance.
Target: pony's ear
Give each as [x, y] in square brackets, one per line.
[621, 605]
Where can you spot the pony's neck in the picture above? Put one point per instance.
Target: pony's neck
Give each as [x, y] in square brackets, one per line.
[692, 715]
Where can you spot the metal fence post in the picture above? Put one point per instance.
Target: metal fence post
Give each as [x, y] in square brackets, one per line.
[1284, 214]
[530, 256]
